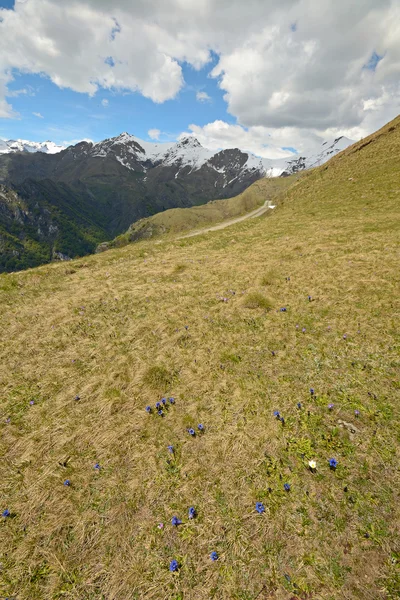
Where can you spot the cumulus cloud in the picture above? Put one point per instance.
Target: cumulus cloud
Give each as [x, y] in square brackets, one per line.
[105, 103]
[260, 140]
[154, 134]
[38, 115]
[203, 97]
[294, 66]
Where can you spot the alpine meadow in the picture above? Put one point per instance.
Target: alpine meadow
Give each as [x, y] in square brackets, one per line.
[215, 416]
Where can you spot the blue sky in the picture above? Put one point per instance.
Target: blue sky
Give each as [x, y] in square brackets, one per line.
[68, 115]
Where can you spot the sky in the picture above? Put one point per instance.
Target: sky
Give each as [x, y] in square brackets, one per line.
[268, 77]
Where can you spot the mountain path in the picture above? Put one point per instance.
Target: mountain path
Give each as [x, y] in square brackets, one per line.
[251, 215]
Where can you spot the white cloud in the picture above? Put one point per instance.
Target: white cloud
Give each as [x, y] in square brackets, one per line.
[260, 140]
[154, 134]
[67, 143]
[105, 103]
[203, 97]
[38, 115]
[311, 77]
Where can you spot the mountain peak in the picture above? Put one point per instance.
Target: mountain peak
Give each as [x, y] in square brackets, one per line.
[189, 141]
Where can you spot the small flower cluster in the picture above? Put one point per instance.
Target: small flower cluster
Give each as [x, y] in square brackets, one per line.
[160, 405]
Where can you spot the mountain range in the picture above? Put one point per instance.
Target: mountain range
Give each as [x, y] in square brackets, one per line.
[58, 203]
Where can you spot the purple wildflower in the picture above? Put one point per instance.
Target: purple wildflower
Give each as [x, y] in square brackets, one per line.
[287, 487]
[171, 400]
[191, 431]
[67, 482]
[260, 508]
[173, 566]
[312, 391]
[164, 401]
[175, 521]
[214, 556]
[158, 405]
[97, 467]
[6, 513]
[200, 427]
[170, 449]
[333, 463]
[192, 512]
[304, 330]
[148, 409]
[32, 402]
[356, 413]
[331, 406]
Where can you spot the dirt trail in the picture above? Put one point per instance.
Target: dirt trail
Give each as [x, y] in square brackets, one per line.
[251, 215]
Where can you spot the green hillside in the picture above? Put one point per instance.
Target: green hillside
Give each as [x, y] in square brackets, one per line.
[201, 320]
[177, 220]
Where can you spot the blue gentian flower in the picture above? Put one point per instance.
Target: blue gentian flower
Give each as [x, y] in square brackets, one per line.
[283, 309]
[299, 405]
[200, 427]
[77, 398]
[333, 463]
[175, 521]
[148, 409]
[282, 420]
[6, 513]
[287, 487]
[312, 391]
[67, 482]
[173, 565]
[191, 431]
[172, 400]
[160, 412]
[186, 327]
[260, 507]
[192, 512]
[277, 414]
[170, 449]
[32, 402]
[158, 405]
[164, 401]
[97, 467]
[273, 353]
[309, 298]
[331, 406]
[214, 556]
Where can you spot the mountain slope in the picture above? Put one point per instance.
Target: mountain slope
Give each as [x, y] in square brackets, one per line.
[200, 320]
[177, 220]
[113, 183]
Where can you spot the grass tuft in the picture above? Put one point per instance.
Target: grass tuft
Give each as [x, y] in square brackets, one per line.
[257, 300]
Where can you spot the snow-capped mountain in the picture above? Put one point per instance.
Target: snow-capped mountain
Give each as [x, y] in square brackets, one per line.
[185, 155]
[48, 147]
[129, 150]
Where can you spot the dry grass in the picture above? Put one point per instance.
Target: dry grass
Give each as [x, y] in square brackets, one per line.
[124, 328]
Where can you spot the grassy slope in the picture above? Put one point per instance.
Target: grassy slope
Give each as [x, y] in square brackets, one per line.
[176, 220]
[112, 328]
